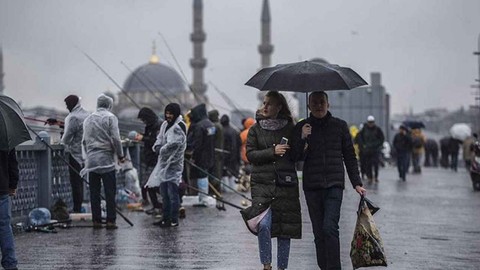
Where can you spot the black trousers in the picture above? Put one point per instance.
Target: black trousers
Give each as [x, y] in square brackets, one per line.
[324, 209]
[76, 184]
[110, 188]
[371, 163]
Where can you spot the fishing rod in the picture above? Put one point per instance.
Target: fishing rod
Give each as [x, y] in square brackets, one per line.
[183, 74]
[109, 77]
[216, 179]
[179, 67]
[220, 206]
[227, 99]
[185, 78]
[77, 172]
[49, 121]
[218, 199]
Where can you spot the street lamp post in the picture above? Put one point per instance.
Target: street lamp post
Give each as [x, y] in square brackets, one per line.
[477, 103]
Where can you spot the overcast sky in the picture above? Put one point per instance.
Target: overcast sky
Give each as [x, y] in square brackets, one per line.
[423, 48]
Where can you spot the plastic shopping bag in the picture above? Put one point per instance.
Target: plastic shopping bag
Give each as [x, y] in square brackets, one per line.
[367, 246]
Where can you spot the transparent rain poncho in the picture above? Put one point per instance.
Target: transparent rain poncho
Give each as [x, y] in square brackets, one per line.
[172, 144]
[101, 138]
[72, 137]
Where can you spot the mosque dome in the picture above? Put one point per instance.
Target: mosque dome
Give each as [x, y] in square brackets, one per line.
[319, 60]
[156, 77]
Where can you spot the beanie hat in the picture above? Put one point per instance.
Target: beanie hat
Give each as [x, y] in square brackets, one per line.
[225, 120]
[71, 101]
[213, 116]
[173, 108]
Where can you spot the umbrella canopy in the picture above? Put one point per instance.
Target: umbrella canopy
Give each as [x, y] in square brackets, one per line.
[306, 76]
[414, 124]
[460, 131]
[13, 130]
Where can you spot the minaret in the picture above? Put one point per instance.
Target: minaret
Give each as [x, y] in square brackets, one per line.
[2, 86]
[198, 62]
[154, 58]
[265, 48]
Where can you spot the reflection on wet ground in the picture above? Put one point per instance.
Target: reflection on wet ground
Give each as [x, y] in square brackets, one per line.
[430, 221]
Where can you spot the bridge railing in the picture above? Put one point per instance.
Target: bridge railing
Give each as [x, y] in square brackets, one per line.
[44, 176]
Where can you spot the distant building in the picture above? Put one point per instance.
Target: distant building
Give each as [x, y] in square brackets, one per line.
[152, 85]
[355, 105]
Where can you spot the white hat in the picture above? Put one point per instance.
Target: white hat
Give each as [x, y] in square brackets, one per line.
[370, 118]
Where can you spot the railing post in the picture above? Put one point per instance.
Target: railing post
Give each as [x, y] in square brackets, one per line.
[44, 195]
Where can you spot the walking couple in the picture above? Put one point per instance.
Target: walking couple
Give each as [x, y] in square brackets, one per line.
[323, 142]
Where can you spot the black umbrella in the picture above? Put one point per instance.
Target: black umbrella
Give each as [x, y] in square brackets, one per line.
[413, 124]
[13, 130]
[305, 77]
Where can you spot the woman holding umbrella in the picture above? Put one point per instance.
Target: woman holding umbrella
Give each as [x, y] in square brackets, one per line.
[275, 210]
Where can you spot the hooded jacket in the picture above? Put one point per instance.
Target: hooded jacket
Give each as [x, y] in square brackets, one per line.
[329, 147]
[243, 137]
[72, 136]
[201, 141]
[150, 134]
[172, 143]
[232, 144]
[283, 201]
[101, 138]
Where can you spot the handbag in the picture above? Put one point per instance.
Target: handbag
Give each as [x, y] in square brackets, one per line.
[284, 178]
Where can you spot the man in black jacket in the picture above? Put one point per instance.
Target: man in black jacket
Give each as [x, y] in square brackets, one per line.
[402, 143]
[325, 145]
[8, 187]
[201, 145]
[152, 127]
[370, 140]
[232, 144]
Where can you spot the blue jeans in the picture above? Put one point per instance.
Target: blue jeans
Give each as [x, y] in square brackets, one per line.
[265, 243]
[7, 245]
[324, 209]
[110, 187]
[171, 201]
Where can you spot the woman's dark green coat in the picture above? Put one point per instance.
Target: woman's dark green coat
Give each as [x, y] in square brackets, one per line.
[284, 201]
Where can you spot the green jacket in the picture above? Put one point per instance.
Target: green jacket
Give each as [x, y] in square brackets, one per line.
[283, 201]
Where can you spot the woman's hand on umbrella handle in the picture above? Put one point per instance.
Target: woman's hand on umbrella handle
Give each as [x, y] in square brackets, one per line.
[306, 130]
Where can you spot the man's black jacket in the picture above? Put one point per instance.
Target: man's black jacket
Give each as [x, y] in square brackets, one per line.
[329, 147]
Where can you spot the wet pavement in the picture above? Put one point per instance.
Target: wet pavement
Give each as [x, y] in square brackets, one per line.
[431, 221]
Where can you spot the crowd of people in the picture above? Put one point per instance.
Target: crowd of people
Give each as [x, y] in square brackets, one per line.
[198, 152]
[207, 156]
[410, 147]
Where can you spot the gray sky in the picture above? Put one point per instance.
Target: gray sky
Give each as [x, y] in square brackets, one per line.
[422, 48]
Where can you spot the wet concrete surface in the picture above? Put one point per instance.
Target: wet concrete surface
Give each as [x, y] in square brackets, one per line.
[431, 221]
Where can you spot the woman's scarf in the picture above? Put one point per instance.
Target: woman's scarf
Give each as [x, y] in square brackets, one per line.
[273, 124]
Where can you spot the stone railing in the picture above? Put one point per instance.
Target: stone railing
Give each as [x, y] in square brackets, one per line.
[44, 176]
